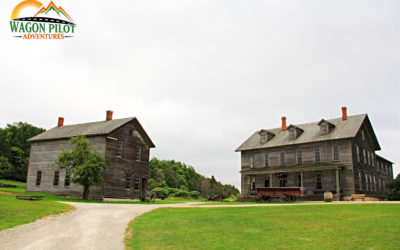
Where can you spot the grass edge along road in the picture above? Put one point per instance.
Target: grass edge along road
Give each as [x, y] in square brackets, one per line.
[313, 226]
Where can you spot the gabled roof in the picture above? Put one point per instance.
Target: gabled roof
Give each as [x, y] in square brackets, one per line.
[90, 129]
[343, 129]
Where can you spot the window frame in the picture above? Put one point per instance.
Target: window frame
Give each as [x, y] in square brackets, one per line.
[266, 160]
[317, 155]
[336, 156]
[138, 154]
[119, 149]
[252, 164]
[67, 180]
[318, 181]
[136, 182]
[56, 179]
[127, 181]
[299, 157]
[38, 177]
[282, 158]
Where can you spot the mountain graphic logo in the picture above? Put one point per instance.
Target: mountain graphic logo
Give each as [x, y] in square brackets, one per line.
[31, 19]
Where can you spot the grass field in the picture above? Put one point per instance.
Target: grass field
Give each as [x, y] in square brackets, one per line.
[356, 226]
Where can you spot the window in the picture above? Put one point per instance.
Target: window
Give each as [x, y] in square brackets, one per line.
[127, 181]
[266, 183]
[374, 182]
[138, 153]
[317, 155]
[292, 134]
[266, 160]
[283, 180]
[379, 185]
[252, 161]
[299, 180]
[364, 156]
[366, 181]
[282, 158]
[253, 184]
[335, 153]
[368, 158]
[362, 134]
[299, 157]
[38, 178]
[359, 180]
[318, 181]
[67, 179]
[324, 129]
[136, 182]
[372, 159]
[263, 138]
[56, 178]
[358, 153]
[118, 152]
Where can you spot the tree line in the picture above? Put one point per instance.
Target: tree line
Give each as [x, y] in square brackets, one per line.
[14, 150]
[173, 177]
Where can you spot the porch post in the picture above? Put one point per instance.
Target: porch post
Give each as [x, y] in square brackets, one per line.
[270, 180]
[337, 184]
[301, 178]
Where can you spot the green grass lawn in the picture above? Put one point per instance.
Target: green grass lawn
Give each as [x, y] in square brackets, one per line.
[15, 212]
[354, 226]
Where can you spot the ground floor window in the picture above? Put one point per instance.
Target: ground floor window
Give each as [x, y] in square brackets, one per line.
[127, 181]
[56, 178]
[283, 180]
[253, 184]
[318, 181]
[136, 182]
[38, 178]
[299, 180]
[67, 179]
[266, 183]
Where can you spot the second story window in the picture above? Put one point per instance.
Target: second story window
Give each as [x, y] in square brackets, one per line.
[282, 158]
[317, 155]
[118, 150]
[335, 153]
[252, 161]
[266, 160]
[358, 153]
[362, 134]
[364, 156]
[138, 153]
[299, 157]
[369, 157]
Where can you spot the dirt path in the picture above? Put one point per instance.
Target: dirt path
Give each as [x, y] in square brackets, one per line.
[90, 226]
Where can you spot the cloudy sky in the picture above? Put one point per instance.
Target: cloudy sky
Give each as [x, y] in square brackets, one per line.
[202, 76]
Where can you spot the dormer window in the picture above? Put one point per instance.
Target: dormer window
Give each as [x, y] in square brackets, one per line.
[325, 127]
[265, 136]
[294, 132]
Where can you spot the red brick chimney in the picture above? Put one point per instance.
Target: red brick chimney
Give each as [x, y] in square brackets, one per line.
[60, 121]
[284, 127]
[109, 115]
[344, 113]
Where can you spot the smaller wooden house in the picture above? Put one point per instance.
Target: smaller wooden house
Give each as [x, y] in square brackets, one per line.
[123, 142]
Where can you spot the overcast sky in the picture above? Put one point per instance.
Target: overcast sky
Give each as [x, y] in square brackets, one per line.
[202, 76]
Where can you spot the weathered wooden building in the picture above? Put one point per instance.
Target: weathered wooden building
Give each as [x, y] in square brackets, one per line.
[336, 155]
[123, 142]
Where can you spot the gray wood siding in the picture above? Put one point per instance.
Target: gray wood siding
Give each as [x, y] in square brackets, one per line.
[118, 167]
[42, 158]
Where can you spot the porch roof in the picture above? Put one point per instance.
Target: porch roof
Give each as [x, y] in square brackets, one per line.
[268, 170]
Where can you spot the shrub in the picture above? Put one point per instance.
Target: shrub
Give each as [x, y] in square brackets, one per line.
[182, 193]
[160, 191]
[195, 194]
[231, 198]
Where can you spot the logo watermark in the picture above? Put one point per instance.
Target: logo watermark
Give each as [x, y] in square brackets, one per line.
[30, 19]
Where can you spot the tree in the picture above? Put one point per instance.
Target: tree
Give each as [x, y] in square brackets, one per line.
[84, 166]
[14, 147]
[394, 186]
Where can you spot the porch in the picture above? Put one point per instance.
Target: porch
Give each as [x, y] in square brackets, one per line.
[314, 179]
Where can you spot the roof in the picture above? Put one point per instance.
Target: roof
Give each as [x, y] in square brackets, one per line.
[90, 129]
[343, 129]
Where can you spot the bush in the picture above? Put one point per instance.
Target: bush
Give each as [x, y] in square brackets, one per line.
[195, 194]
[231, 198]
[158, 192]
[182, 193]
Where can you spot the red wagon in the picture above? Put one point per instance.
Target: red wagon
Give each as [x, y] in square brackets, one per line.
[289, 194]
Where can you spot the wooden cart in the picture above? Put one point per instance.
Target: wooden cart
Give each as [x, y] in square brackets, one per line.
[289, 194]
